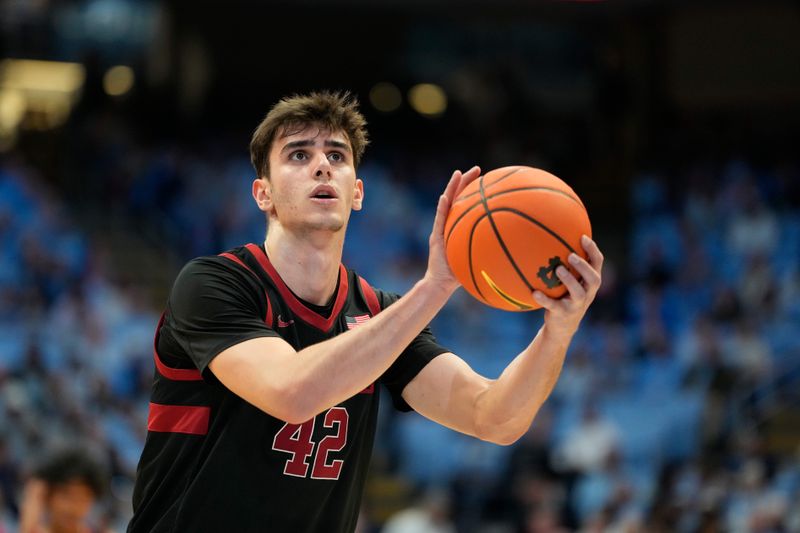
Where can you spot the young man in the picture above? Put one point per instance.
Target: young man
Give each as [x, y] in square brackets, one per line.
[264, 405]
[61, 494]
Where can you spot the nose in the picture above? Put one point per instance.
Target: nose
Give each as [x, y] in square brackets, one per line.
[323, 167]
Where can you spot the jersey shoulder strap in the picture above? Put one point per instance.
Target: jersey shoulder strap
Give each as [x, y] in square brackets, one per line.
[369, 296]
[269, 319]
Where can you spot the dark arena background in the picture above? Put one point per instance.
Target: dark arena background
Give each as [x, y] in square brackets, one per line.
[124, 130]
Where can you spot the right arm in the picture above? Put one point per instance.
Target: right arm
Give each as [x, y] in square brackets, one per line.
[295, 386]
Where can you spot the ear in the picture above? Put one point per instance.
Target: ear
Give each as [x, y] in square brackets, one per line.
[262, 194]
[358, 196]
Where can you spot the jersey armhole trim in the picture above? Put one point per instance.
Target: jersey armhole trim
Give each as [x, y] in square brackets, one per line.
[172, 374]
[369, 296]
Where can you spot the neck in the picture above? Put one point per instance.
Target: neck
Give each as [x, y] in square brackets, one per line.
[308, 263]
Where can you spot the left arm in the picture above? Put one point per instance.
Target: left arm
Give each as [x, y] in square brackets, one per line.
[449, 392]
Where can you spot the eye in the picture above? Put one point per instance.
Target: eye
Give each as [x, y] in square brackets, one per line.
[336, 157]
[298, 156]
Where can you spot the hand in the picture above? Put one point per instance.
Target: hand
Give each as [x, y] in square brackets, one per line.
[438, 269]
[563, 315]
[32, 508]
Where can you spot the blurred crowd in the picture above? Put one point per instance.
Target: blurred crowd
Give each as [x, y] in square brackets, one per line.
[670, 414]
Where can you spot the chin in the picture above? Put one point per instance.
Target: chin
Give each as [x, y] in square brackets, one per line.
[328, 225]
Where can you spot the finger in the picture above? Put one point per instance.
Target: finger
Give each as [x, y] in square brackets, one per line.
[442, 209]
[576, 290]
[595, 256]
[453, 185]
[545, 301]
[587, 272]
[468, 177]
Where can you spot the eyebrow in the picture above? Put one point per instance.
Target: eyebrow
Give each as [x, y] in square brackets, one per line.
[309, 142]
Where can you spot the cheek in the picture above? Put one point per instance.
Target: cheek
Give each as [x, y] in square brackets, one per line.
[285, 197]
[71, 504]
[285, 188]
[71, 509]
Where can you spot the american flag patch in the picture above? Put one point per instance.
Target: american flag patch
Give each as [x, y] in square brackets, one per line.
[354, 321]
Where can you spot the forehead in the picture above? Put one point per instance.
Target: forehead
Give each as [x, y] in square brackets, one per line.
[308, 132]
[73, 490]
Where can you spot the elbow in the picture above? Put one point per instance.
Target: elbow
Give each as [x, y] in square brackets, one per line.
[502, 434]
[296, 419]
[502, 428]
[506, 436]
[291, 404]
[507, 439]
[291, 415]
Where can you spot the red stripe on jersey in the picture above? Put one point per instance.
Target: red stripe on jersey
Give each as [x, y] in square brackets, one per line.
[235, 259]
[370, 296]
[189, 419]
[374, 308]
[297, 307]
[231, 257]
[174, 374]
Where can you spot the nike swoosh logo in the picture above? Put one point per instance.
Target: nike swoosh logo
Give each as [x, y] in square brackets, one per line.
[282, 324]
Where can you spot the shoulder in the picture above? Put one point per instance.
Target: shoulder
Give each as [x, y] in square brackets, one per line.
[214, 274]
[387, 298]
[229, 264]
[367, 290]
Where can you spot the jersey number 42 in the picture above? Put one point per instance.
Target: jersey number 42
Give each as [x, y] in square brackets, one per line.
[296, 439]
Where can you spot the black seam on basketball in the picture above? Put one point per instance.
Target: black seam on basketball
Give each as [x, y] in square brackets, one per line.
[498, 180]
[507, 191]
[469, 258]
[531, 219]
[499, 237]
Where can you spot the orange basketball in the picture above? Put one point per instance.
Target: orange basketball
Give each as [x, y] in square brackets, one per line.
[508, 231]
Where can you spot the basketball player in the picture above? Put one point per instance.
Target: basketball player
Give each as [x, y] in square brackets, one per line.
[268, 356]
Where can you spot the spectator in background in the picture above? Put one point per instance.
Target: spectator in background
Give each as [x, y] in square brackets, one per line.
[430, 515]
[8, 481]
[544, 520]
[608, 498]
[590, 444]
[758, 287]
[578, 377]
[530, 494]
[700, 351]
[61, 494]
[753, 505]
[748, 352]
[753, 231]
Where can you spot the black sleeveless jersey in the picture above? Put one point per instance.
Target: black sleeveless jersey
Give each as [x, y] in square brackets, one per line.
[214, 463]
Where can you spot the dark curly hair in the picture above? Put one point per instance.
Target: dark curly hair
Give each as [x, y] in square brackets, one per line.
[67, 466]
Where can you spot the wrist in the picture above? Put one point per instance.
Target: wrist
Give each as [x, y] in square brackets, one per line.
[436, 288]
[558, 334]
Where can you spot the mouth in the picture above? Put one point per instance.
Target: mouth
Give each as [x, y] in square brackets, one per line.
[323, 192]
